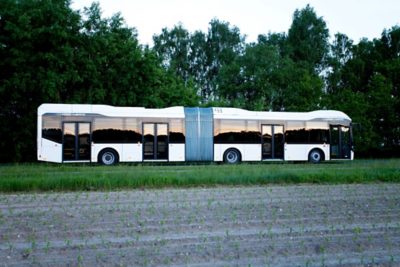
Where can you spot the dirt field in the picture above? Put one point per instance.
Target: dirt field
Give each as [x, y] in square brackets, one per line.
[274, 225]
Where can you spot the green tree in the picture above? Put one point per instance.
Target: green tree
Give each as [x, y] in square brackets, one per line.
[223, 44]
[37, 44]
[51, 53]
[198, 61]
[308, 39]
[363, 82]
[340, 54]
[173, 47]
[261, 79]
[277, 40]
[200, 56]
[247, 83]
[162, 88]
[382, 112]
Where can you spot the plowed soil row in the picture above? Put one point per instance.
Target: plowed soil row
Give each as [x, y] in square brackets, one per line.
[274, 225]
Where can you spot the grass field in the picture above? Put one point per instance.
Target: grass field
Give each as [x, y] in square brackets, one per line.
[65, 177]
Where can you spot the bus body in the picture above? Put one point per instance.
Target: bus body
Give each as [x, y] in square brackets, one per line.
[107, 134]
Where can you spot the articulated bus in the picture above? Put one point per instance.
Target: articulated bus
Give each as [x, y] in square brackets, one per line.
[108, 135]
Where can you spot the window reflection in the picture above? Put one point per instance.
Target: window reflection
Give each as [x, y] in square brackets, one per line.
[84, 141]
[267, 141]
[307, 133]
[346, 142]
[51, 128]
[237, 131]
[116, 130]
[176, 131]
[155, 141]
[162, 141]
[278, 141]
[69, 146]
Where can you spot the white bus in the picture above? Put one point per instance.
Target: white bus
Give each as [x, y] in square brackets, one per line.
[108, 135]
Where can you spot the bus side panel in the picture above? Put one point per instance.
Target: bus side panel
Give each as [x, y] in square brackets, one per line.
[176, 152]
[252, 152]
[249, 152]
[50, 151]
[218, 155]
[300, 152]
[132, 153]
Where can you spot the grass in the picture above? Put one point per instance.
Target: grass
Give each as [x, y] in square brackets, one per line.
[66, 177]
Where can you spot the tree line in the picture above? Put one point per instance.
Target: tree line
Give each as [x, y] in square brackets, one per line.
[51, 53]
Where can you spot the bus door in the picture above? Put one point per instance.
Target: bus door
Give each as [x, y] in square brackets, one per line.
[76, 141]
[272, 141]
[155, 141]
[340, 142]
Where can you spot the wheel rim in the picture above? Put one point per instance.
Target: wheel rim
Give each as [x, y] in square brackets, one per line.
[316, 156]
[232, 157]
[108, 158]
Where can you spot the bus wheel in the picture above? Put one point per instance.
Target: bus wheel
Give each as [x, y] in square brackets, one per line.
[232, 156]
[108, 156]
[316, 156]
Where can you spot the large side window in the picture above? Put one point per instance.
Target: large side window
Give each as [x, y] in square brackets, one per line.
[253, 132]
[307, 133]
[132, 131]
[318, 132]
[51, 128]
[176, 131]
[116, 130]
[236, 131]
[296, 133]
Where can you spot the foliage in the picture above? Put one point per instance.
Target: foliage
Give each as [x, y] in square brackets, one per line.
[51, 53]
[199, 56]
[364, 82]
[308, 38]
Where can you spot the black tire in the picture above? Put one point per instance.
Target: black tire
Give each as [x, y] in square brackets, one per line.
[108, 156]
[316, 156]
[232, 156]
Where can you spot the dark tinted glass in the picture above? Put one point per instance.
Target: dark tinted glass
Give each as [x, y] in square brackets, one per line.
[162, 141]
[148, 140]
[278, 141]
[267, 141]
[84, 141]
[335, 141]
[236, 131]
[176, 131]
[51, 128]
[69, 147]
[319, 136]
[346, 142]
[116, 130]
[314, 133]
[296, 136]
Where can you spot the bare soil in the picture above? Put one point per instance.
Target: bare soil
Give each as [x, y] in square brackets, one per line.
[224, 226]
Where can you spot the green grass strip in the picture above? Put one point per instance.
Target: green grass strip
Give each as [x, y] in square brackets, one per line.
[65, 177]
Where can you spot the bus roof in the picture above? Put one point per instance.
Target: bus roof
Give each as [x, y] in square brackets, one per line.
[111, 111]
[318, 115]
[178, 112]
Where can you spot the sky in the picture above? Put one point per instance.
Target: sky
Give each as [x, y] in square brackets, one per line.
[355, 18]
